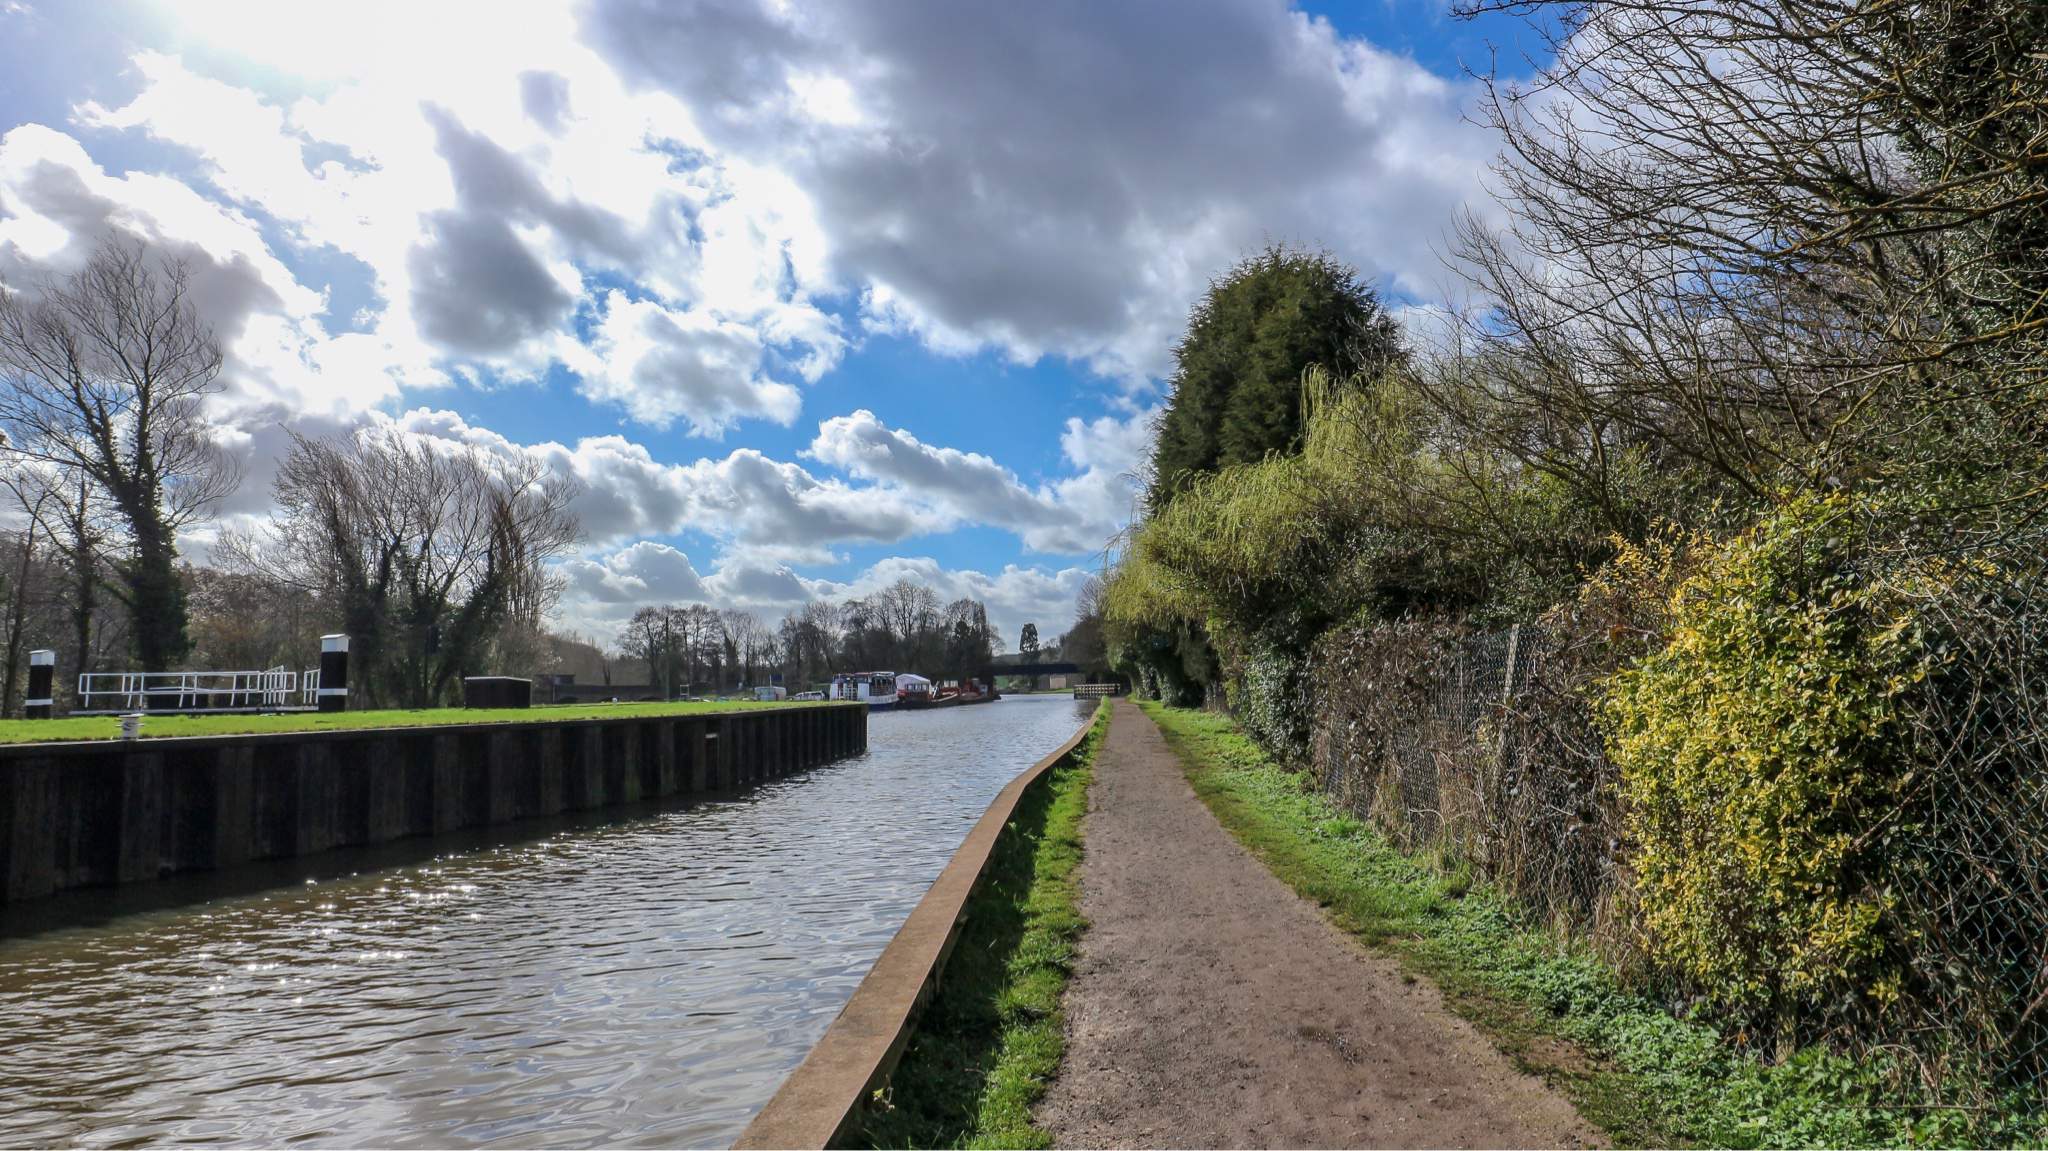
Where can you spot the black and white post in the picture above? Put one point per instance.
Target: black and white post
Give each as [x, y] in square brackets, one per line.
[333, 673]
[42, 684]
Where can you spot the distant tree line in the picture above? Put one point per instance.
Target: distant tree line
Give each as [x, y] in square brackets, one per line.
[695, 649]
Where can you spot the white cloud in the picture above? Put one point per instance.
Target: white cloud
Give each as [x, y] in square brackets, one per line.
[745, 500]
[768, 515]
[478, 216]
[1039, 181]
[57, 203]
[644, 573]
[1065, 179]
[1071, 516]
[661, 364]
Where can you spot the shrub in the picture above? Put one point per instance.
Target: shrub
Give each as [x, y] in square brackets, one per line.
[1763, 756]
[1269, 696]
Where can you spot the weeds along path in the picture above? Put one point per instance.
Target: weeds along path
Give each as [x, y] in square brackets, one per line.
[1213, 1007]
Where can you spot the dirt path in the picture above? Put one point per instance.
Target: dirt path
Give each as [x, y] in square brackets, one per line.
[1212, 1007]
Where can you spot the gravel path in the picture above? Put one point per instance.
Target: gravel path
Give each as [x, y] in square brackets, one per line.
[1212, 1007]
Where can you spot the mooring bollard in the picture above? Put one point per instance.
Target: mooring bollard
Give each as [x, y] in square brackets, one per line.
[333, 673]
[42, 684]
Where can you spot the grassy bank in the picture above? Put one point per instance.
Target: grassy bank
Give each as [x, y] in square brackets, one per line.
[1642, 1074]
[168, 726]
[990, 1041]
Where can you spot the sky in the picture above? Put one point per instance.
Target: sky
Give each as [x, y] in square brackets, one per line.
[810, 297]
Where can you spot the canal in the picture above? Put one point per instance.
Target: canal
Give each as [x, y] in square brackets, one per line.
[640, 980]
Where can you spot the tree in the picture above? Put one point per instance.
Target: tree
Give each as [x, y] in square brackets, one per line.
[106, 374]
[970, 642]
[809, 639]
[82, 544]
[1776, 243]
[909, 612]
[1237, 370]
[1084, 644]
[650, 637]
[246, 620]
[426, 553]
[1027, 643]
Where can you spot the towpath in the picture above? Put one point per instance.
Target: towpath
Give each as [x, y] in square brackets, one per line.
[1212, 1007]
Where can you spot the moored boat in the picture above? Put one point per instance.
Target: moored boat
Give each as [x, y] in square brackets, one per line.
[916, 698]
[875, 688]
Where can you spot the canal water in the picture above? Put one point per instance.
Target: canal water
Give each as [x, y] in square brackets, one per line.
[647, 980]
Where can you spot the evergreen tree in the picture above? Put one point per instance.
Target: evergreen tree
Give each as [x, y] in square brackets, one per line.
[1238, 369]
[1027, 643]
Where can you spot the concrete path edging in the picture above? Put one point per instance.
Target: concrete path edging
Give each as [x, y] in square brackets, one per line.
[822, 1099]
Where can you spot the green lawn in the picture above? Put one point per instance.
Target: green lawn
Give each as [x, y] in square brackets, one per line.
[167, 726]
[1647, 1077]
[990, 1041]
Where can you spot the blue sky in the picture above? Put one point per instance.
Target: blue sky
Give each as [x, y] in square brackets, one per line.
[809, 296]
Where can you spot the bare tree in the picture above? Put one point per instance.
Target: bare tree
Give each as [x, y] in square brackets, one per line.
[428, 554]
[106, 374]
[1771, 241]
[810, 639]
[650, 637]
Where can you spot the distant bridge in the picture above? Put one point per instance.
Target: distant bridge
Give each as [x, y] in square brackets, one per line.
[1032, 669]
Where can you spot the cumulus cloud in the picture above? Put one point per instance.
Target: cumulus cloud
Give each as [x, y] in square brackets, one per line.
[968, 486]
[57, 204]
[894, 488]
[1073, 516]
[1063, 178]
[477, 199]
[644, 573]
[745, 499]
[768, 516]
[661, 364]
[1044, 179]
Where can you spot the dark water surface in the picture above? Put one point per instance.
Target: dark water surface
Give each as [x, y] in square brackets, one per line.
[646, 981]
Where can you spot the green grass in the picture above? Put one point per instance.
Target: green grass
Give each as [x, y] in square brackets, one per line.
[167, 726]
[988, 1044]
[1647, 1077]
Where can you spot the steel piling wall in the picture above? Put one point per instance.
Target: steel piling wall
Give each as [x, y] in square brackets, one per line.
[108, 812]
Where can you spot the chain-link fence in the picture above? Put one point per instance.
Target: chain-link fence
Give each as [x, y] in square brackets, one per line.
[1475, 748]
[1480, 750]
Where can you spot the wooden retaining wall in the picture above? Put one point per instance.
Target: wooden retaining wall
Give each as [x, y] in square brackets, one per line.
[107, 812]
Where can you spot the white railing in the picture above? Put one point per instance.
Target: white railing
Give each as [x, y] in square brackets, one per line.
[196, 690]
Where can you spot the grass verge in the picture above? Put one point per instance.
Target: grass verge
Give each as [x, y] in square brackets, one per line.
[990, 1041]
[1647, 1077]
[170, 726]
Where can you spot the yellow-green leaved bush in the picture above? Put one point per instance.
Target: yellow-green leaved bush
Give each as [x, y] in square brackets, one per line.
[1762, 754]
